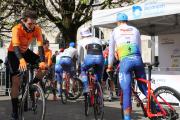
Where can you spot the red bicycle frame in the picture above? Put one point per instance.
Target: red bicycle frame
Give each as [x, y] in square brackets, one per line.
[91, 88]
[150, 95]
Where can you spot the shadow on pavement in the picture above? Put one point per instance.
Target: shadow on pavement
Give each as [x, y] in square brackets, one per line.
[73, 110]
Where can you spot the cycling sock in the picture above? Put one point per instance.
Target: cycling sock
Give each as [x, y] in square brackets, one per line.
[127, 117]
[14, 106]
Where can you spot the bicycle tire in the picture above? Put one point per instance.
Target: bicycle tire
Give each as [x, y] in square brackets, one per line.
[172, 97]
[76, 90]
[86, 104]
[63, 93]
[36, 97]
[47, 92]
[98, 102]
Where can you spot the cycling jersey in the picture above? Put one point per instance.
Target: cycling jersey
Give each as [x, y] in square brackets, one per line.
[89, 45]
[23, 39]
[48, 56]
[69, 52]
[127, 41]
[90, 54]
[64, 62]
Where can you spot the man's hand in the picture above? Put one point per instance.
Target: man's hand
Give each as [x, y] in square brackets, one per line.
[22, 65]
[109, 71]
[42, 65]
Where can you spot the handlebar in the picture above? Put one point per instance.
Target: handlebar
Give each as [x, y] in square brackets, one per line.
[29, 67]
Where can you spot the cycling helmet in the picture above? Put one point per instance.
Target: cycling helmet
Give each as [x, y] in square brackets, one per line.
[122, 17]
[61, 50]
[71, 44]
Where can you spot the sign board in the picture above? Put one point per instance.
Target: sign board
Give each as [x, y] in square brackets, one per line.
[169, 50]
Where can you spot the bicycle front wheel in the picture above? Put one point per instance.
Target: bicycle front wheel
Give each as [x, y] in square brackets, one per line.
[166, 95]
[98, 102]
[33, 105]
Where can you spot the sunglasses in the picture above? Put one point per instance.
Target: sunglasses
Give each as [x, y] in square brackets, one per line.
[30, 24]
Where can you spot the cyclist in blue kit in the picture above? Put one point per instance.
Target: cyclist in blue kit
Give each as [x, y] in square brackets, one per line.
[127, 41]
[93, 56]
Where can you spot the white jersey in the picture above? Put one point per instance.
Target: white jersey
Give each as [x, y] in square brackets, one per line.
[127, 41]
[69, 52]
[81, 46]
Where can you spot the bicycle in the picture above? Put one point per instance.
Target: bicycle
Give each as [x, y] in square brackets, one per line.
[32, 104]
[95, 97]
[48, 86]
[158, 105]
[71, 88]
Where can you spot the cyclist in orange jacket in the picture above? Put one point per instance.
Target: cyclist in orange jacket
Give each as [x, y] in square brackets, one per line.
[19, 54]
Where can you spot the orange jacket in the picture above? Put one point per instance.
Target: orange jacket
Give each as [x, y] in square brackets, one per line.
[23, 39]
[48, 57]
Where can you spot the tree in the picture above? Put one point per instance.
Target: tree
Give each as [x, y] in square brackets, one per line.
[67, 15]
[5, 12]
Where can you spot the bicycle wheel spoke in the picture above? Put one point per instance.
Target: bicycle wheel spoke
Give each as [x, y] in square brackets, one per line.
[169, 100]
[98, 103]
[35, 104]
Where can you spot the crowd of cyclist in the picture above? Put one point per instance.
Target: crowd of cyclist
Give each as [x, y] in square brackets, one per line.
[86, 53]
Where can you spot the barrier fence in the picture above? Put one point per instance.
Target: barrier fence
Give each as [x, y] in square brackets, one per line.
[4, 81]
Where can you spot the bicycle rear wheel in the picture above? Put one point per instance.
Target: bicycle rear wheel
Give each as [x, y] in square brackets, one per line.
[172, 97]
[76, 89]
[98, 102]
[34, 101]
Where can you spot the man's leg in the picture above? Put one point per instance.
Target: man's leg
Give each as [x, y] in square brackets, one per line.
[14, 95]
[125, 78]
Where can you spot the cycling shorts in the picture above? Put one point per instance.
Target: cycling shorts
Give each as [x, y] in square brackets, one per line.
[29, 56]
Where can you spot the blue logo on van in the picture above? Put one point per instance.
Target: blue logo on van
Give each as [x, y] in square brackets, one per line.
[137, 11]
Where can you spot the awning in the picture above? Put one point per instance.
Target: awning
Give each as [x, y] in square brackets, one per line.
[151, 17]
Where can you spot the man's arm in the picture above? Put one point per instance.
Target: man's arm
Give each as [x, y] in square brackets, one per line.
[16, 44]
[40, 43]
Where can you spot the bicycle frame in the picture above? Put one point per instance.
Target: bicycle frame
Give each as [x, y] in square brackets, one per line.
[91, 87]
[66, 78]
[146, 108]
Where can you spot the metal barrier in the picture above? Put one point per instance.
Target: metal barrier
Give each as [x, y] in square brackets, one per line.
[4, 82]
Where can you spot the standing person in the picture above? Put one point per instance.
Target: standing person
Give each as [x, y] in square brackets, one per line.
[93, 56]
[19, 54]
[127, 40]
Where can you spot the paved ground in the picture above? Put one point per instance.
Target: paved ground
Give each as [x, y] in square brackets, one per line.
[71, 111]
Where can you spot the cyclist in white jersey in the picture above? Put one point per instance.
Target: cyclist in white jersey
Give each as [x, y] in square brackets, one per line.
[128, 43]
[66, 59]
[89, 55]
